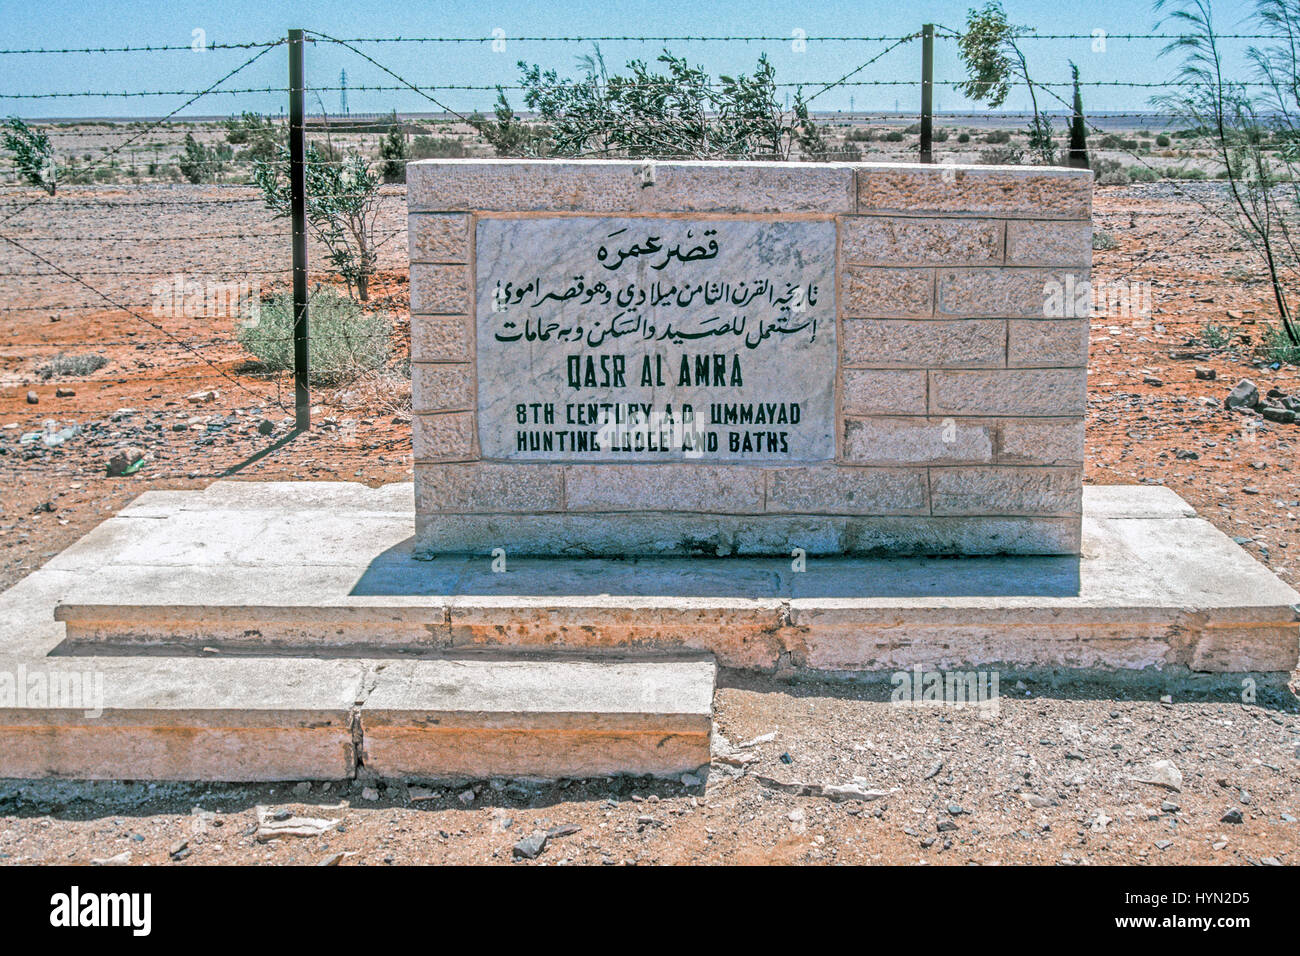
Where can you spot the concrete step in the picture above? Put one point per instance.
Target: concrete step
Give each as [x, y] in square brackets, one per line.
[542, 719]
[311, 719]
[315, 571]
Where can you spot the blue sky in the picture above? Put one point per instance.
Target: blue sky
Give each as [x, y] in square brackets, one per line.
[61, 23]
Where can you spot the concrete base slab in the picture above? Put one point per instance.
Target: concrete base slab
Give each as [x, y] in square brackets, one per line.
[287, 631]
[332, 569]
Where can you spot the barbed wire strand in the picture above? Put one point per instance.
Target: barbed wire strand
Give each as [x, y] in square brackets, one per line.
[155, 326]
[249, 62]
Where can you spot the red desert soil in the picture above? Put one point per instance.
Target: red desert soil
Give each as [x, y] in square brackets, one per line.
[1048, 779]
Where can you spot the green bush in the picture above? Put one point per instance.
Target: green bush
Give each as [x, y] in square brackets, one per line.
[343, 340]
[1142, 174]
[963, 137]
[203, 164]
[1216, 336]
[1102, 167]
[1162, 140]
[997, 136]
[394, 151]
[1111, 141]
[33, 154]
[893, 136]
[1278, 347]
[259, 134]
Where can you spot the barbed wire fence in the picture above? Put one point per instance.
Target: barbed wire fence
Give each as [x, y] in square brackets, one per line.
[114, 261]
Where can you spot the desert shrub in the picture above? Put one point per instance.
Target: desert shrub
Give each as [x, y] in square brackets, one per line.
[859, 136]
[1111, 141]
[664, 108]
[77, 175]
[1163, 140]
[1185, 172]
[342, 207]
[385, 391]
[394, 151]
[1278, 347]
[1103, 240]
[1116, 177]
[1215, 336]
[963, 137]
[939, 136]
[997, 136]
[437, 147]
[343, 340]
[33, 154]
[913, 130]
[203, 164]
[70, 364]
[257, 133]
[1141, 174]
[1002, 156]
[893, 136]
[1100, 167]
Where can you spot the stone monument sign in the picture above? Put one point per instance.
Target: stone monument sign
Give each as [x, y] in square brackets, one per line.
[747, 358]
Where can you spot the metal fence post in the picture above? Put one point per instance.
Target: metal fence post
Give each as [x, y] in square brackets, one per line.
[927, 92]
[298, 207]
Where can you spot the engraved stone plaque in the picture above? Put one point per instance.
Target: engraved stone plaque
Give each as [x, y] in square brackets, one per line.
[655, 339]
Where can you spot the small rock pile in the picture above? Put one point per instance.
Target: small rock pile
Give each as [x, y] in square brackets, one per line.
[1274, 406]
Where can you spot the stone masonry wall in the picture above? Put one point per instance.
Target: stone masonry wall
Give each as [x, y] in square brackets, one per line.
[960, 386]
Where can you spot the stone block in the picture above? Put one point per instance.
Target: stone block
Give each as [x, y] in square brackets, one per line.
[917, 441]
[1012, 392]
[920, 344]
[905, 241]
[438, 237]
[1009, 192]
[440, 387]
[1006, 491]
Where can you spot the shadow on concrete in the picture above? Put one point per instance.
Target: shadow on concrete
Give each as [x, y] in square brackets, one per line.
[397, 571]
[1020, 685]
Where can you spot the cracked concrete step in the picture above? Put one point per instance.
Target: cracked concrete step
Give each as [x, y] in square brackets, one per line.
[178, 719]
[296, 718]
